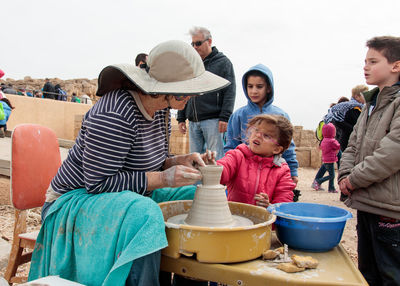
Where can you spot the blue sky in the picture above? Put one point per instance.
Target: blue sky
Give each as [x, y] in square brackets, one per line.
[315, 48]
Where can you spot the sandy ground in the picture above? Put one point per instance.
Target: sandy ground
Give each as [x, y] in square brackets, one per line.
[306, 176]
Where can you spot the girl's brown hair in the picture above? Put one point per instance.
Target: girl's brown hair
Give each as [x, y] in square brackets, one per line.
[285, 128]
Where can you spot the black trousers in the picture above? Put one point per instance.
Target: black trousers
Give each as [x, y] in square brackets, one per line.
[378, 249]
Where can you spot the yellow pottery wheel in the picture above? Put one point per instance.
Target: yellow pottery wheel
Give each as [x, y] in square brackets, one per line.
[217, 244]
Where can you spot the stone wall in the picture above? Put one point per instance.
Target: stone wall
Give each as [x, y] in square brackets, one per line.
[307, 147]
[80, 86]
[57, 115]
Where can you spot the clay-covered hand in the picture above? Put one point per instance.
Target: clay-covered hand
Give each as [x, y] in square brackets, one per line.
[209, 157]
[262, 200]
[189, 160]
[179, 175]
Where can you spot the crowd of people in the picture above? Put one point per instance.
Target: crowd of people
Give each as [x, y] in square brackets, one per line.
[120, 164]
[48, 91]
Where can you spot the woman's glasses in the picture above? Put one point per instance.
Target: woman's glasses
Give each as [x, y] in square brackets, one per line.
[180, 97]
[198, 43]
[264, 136]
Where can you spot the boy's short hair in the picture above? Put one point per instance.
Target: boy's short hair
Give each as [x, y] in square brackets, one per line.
[343, 99]
[257, 73]
[283, 124]
[358, 89]
[140, 58]
[389, 46]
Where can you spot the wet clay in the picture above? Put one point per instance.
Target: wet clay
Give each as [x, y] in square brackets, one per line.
[210, 206]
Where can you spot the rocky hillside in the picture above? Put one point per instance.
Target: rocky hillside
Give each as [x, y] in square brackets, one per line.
[80, 86]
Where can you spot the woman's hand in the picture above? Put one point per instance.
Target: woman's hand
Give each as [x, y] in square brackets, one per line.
[192, 160]
[179, 175]
[262, 200]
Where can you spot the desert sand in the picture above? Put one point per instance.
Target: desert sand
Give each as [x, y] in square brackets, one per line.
[306, 176]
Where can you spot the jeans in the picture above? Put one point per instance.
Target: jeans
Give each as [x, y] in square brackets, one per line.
[205, 135]
[331, 177]
[378, 249]
[144, 271]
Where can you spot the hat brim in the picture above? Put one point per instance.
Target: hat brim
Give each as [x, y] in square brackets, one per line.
[124, 75]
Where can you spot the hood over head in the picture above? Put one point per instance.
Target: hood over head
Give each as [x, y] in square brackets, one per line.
[268, 75]
[329, 130]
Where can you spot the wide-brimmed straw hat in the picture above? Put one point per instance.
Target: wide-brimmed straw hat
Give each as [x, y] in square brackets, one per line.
[173, 67]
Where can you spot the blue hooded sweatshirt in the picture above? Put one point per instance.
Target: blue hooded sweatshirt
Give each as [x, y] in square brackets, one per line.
[236, 133]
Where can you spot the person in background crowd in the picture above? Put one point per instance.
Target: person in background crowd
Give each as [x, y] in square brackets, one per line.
[330, 148]
[7, 107]
[37, 94]
[21, 92]
[209, 114]
[141, 59]
[49, 90]
[75, 98]
[10, 89]
[343, 99]
[86, 99]
[61, 94]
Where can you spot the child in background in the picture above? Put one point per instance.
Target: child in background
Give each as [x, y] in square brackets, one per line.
[256, 173]
[7, 106]
[370, 167]
[258, 87]
[330, 148]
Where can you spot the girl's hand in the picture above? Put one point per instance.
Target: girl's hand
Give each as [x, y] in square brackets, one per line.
[262, 200]
[209, 157]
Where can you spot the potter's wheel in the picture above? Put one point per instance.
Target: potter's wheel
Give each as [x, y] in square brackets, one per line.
[237, 220]
[205, 227]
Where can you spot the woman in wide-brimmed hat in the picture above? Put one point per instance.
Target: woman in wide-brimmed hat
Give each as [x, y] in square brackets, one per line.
[96, 207]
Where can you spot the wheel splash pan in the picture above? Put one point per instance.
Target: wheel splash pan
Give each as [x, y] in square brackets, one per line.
[218, 244]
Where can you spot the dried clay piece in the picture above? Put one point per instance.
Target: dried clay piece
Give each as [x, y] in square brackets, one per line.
[290, 267]
[270, 254]
[305, 261]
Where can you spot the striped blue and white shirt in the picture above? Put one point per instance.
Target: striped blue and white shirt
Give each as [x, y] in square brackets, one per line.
[117, 144]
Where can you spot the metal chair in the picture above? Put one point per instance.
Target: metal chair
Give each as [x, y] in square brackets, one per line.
[35, 159]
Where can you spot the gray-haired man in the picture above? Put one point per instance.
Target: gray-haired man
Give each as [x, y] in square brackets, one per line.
[208, 114]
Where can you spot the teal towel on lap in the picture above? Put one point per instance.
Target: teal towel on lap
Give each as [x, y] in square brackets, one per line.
[93, 238]
[173, 194]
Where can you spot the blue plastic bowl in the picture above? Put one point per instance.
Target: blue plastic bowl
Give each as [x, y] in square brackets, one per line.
[309, 227]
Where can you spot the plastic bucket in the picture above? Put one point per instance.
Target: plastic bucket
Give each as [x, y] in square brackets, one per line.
[308, 226]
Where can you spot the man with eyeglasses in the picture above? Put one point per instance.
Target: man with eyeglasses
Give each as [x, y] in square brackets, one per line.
[208, 114]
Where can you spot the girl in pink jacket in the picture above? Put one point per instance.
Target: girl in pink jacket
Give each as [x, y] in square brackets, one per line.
[330, 147]
[255, 173]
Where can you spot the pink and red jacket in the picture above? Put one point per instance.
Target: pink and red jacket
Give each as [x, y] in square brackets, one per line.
[246, 174]
[329, 145]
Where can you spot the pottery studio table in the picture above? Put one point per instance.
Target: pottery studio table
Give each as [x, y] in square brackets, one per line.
[335, 268]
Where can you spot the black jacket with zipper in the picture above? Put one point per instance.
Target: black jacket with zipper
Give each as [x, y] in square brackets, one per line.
[217, 104]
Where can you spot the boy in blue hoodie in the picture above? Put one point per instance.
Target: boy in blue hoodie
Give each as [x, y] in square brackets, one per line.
[258, 86]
